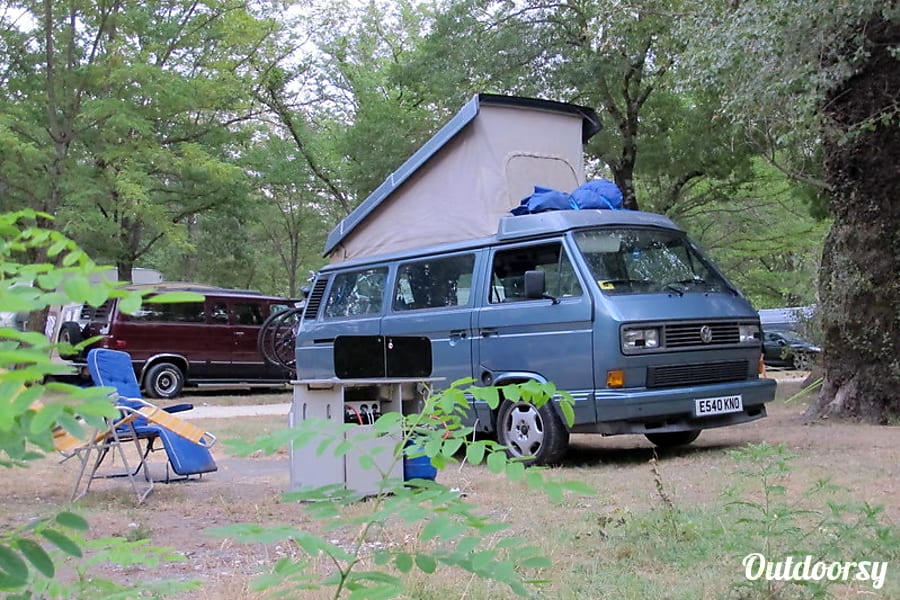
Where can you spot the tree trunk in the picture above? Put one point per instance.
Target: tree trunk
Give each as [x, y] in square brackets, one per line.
[859, 280]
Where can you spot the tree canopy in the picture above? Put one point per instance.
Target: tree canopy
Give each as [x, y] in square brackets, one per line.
[220, 141]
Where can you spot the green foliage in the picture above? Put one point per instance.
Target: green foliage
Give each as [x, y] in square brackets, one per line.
[448, 531]
[30, 409]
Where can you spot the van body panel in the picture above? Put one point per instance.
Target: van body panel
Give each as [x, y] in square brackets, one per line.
[450, 332]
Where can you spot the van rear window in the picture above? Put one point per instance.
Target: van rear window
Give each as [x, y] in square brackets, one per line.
[175, 312]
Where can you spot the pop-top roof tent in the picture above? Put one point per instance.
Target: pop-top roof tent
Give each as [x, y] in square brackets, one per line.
[476, 169]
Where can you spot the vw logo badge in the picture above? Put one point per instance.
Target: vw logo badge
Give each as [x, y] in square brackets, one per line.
[706, 334]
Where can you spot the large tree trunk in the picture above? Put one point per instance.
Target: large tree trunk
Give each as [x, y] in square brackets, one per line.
[859, 283]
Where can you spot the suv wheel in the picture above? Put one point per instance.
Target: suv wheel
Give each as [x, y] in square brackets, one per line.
[70, 333]
[164, 380]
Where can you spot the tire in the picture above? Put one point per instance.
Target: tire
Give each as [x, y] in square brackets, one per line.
[673, 439]
[163, 381]
[530, 432]
[276, 340]
[70, 333]
[801, 361]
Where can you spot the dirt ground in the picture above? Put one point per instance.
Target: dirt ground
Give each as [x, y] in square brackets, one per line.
[864, 459]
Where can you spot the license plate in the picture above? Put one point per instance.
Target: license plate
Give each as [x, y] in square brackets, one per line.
[704, 407]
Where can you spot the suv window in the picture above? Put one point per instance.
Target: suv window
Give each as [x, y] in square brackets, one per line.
[171, 312]
[247, 313]
[508, 272]
[434, 283]
[356, 293]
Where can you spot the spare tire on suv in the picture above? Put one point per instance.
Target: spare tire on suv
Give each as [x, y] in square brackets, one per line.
[70, 333]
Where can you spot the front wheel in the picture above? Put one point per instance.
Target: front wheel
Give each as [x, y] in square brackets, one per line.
[802, 361]
[672, 439]
[164, 380]
[535, 435]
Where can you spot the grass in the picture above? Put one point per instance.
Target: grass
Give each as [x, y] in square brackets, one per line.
[653, 530]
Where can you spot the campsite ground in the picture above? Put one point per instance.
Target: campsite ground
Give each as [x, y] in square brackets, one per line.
[579, 535]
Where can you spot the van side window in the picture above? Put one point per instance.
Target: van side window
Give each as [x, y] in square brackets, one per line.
[434, 283]
[170, 312]
[508, 272]
[247, 313]
[356, 293]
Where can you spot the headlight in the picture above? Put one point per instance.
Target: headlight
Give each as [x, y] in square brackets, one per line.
[748, 333]
[640, 339]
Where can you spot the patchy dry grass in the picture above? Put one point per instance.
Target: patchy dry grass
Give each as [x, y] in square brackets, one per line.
[626, 541]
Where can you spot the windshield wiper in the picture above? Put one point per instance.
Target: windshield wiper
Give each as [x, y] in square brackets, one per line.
[674, 285]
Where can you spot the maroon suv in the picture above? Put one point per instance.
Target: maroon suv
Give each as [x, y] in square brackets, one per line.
[172, 345]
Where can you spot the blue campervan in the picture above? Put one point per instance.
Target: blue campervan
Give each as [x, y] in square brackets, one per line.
[619, 308]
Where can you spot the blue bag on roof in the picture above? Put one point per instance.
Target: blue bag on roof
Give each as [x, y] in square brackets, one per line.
[598, 193]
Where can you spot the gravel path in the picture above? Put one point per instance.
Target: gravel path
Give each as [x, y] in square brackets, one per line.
[224, 412]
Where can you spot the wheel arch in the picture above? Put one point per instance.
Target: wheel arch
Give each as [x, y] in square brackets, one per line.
[512, 378]
[176, 359]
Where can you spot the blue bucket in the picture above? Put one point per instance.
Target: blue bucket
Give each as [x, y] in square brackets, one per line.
[419, 467]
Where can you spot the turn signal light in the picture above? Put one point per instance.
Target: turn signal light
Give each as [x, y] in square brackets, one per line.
[762, 367]
[615, 379]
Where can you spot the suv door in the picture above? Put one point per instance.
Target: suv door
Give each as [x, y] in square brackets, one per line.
[515, 334]
[247, 316]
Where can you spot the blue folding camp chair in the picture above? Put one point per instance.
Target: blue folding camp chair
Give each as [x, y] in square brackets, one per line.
[186, 446]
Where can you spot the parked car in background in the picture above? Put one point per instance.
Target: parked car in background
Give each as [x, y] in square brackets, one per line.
[787, 349]
[212, 342]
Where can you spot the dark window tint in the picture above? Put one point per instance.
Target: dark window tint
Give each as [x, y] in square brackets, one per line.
[356, 293]
[247, 313]
[508, 272]
[434, 283]
[174, 312]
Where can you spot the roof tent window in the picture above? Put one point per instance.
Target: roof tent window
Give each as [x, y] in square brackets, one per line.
[524, 171]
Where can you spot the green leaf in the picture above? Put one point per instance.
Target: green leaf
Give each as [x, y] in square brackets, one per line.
[568, 412]
[404, 562]
[62, 542]
[496, 461]
[426, 563]
[130, 304]
[475, 453]
[36, 556]
[72, 521]
[172, 297]
[13, 566]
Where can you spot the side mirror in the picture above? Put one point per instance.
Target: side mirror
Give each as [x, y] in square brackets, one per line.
[536, 286]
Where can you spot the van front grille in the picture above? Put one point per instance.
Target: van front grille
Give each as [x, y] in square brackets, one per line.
[686, 335]
[315, 298]
[697, 374]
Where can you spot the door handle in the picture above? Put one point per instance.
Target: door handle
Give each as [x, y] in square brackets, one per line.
[490, 332]
[457, 334]
[239, 333]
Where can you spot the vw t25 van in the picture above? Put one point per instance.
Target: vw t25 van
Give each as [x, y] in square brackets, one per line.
[619, 308]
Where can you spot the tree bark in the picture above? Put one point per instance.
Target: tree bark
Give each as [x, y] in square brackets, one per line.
[859, 280]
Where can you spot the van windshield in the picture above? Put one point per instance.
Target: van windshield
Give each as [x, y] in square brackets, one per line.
[641, 261]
